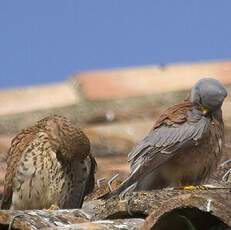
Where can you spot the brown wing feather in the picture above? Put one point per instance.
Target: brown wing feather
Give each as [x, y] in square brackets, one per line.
[64, 137]
[18, 145]
[175, 114]
[91, 178]
[177, 128]
[169, 129]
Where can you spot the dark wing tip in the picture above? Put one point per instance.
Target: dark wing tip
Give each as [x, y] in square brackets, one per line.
[6, 199]
[91, 178]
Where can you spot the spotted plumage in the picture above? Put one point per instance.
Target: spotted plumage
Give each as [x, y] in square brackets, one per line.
[48, 164]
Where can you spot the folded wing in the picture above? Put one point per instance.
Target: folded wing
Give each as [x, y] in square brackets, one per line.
[179, 127]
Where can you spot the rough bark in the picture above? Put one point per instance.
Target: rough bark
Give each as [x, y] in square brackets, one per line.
[131, 224]
[152, 205]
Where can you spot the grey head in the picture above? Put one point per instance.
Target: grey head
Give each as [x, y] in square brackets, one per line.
[209, 93]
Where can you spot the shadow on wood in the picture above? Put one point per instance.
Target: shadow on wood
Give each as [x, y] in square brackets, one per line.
[185, 218]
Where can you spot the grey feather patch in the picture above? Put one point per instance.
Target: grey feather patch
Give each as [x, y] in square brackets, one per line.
[167, 139]
[202, 127]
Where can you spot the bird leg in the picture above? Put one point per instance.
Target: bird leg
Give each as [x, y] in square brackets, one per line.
[128, 205]
[127, 201]
[200, 187]
[193, 187]
[53, 207]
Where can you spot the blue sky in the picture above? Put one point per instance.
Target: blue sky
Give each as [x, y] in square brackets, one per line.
[48, 40]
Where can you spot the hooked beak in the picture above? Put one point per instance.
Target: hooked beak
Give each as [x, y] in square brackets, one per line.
[204, 110]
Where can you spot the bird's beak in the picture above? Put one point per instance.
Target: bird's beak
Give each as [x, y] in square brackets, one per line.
[204, 110]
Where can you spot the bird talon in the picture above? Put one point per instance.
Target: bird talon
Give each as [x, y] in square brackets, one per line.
[194, 187]
[125, 203]
[202, 187]
[188, 187]
[53, 207]
[128, 205]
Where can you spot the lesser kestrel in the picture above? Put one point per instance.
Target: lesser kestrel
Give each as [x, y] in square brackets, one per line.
[49, 164]
[185, 145]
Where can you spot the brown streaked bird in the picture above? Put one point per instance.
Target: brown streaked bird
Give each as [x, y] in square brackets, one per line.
[185, 145]
[49, 164]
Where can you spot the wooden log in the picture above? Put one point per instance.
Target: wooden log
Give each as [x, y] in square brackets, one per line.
[144, 203]
[129, 224]
[37, 219]
[153, 205]
[204, 209]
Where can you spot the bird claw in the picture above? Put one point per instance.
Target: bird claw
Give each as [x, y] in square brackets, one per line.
[201, 187]
[53, 207]
[194, 187]
[126, 203]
